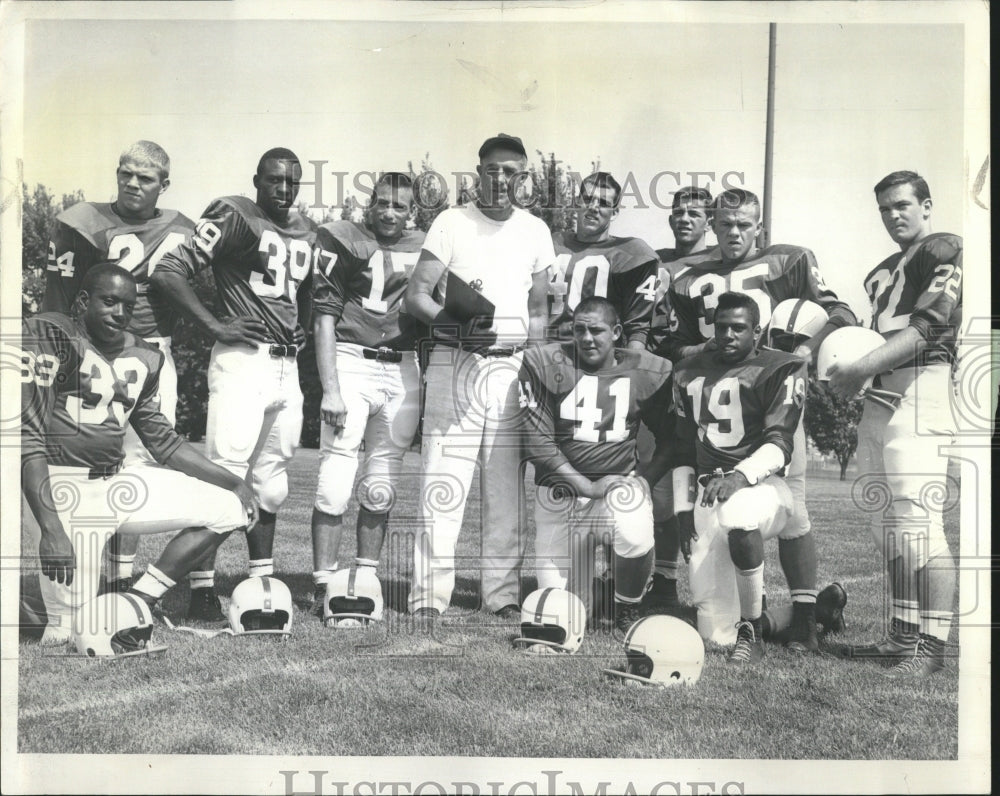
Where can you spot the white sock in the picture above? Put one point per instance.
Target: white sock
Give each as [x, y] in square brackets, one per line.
[666, 569]
[366, 562]
[202, 579]
[750, 585]
[154, 583]
[261, 567]
[804, 595]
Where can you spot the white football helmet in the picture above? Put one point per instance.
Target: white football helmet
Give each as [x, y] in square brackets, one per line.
[793, 322]
[662, 650]
[113, 625]
[261, 606]
[552, 620]
[849, 344]
[353, 598]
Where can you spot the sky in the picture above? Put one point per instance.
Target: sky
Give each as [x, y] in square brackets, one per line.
[651, 100]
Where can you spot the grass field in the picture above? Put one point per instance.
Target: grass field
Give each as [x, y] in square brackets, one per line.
[464, 692]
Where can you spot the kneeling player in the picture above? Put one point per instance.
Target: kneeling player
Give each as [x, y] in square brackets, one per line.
[737, 412]
[83, 380]
[581, 405]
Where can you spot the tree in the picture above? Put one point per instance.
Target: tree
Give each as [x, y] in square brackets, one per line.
[832, 423]
[38, 216]
[556, 185]
[430, 193]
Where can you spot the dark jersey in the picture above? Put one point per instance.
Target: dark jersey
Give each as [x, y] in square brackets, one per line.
[591, 419]
[257, 263]
[768, 276]
[77, 398]
[922, 288]
[89, 233]
[622, 270]
[662, 321]
[726, 412]
[361, 283]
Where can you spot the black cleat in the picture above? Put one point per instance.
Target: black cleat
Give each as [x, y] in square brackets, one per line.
[801, 636]
[117, 586]
[927, 658]
[898, 646]
[424, 618]
[509, 613]
[749, 648]
[626, 615]
[204, 606]
[661, 597]
[830, 608]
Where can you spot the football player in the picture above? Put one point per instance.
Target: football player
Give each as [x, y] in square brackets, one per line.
[593, 262]
[368, 369]
[581, 406]
[135, 233]
[495, 257]
[260, 253]
[768, 276]
[83, 381]
[916, 297]
[737, 413]
[689, 217]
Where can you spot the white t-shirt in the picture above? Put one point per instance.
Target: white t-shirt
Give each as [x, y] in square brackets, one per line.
[497, 257]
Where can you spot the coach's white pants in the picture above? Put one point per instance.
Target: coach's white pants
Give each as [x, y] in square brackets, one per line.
[254, 417]
[764, 507]
[567, 530]
[135, 451]
[903, 462]
[143, 500]
[470, 406]
[383, 406]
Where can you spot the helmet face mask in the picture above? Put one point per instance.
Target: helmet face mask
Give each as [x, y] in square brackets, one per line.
[353, 598]
[662, 651]
[113, 626]
[552, 620]
[261, 606]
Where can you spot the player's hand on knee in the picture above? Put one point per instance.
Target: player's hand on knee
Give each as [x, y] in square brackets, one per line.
[686, 532]
[333, 411]
[245, 494]
[730, 484]
[56, 554]
[241, 331]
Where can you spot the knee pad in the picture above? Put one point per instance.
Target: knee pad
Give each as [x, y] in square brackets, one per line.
[272, 493]
[746, 548]
[633, 541]
[376, 494]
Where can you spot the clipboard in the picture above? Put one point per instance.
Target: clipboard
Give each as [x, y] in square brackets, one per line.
[463, 303]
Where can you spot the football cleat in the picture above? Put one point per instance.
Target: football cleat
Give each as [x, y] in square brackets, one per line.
[749, 648]
[204, 606]
[830, 603]
[261, 606]
[927, 658]
[113, 625]
[353, 598]
[55, 636]
[802, 632]
[661, 650]
[661, 597]
[793, 322]
[509, 613]
[899, 645]
[626, 615]
[117, 586]
[552, 620]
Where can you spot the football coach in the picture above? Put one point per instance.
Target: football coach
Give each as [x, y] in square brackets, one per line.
[481, 285]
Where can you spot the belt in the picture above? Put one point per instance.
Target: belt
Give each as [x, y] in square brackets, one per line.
[496, 350]
[278, 350]
[104, 472]
[382, 354]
